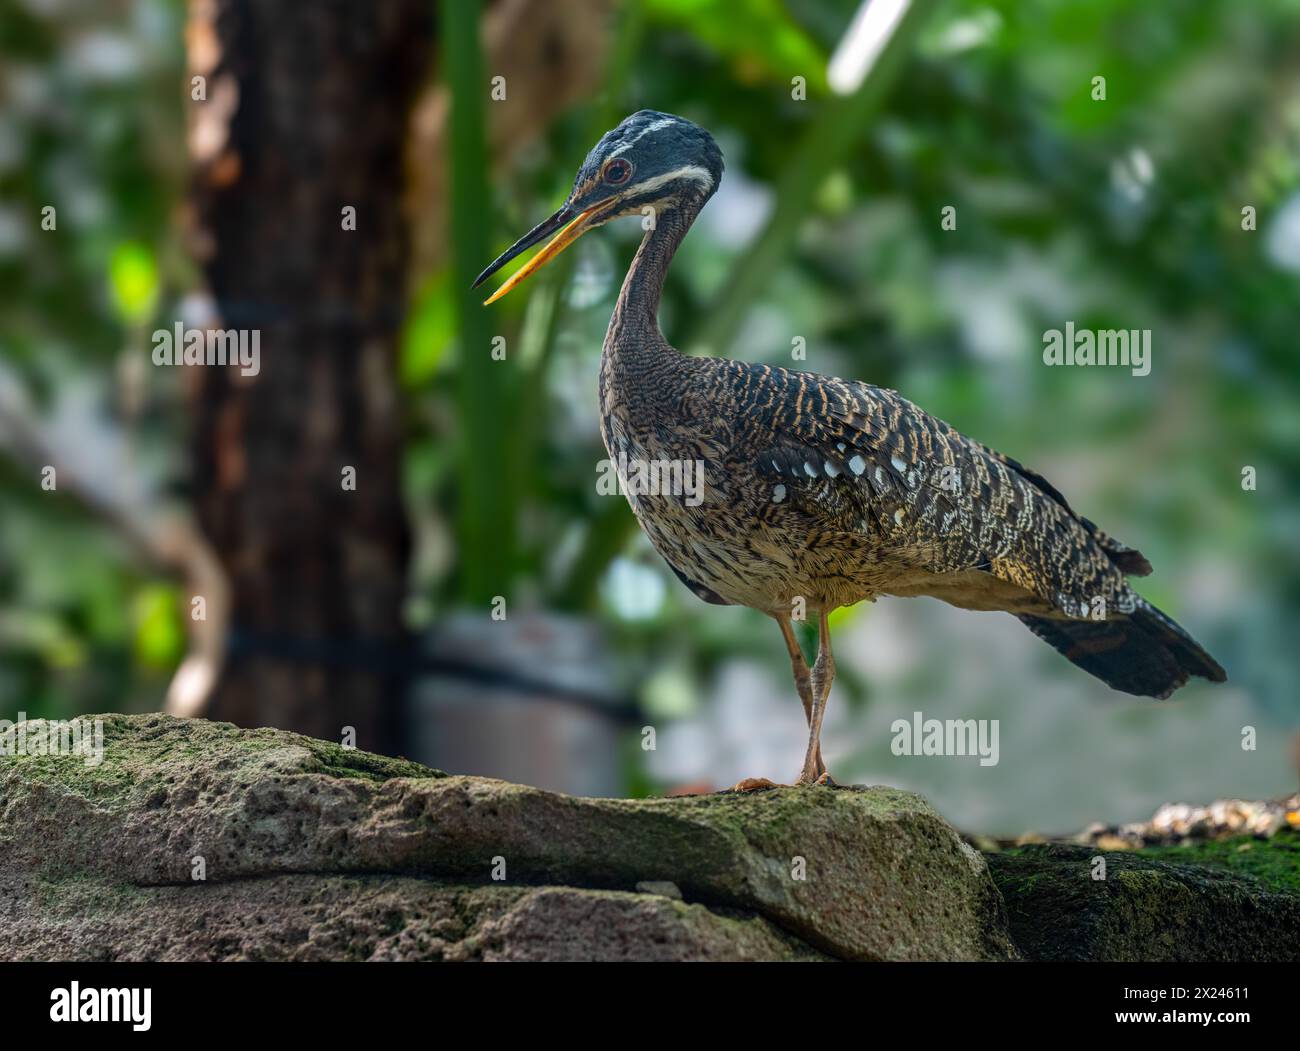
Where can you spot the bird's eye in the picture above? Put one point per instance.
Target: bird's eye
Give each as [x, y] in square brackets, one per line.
[618, 171]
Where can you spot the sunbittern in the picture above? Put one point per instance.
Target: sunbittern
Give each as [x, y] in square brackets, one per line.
[823, 492]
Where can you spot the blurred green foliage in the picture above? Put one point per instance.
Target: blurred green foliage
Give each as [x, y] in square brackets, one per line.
[91, 126]
[1122, 212]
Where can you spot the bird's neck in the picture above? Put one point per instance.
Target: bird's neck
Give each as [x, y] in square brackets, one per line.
[633, 338]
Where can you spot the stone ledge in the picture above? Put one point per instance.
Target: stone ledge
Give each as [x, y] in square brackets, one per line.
[885, 878]
[1145, 909]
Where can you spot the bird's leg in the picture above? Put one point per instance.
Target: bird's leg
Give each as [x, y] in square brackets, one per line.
[823, 674]
[803, 686]
[802, 679]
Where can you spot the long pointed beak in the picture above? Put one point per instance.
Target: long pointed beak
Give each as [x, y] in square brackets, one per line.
[571, 225]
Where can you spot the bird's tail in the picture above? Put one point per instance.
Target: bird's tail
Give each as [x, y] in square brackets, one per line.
[1145, 653]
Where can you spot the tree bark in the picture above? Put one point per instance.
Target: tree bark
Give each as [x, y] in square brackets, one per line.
[306, 115]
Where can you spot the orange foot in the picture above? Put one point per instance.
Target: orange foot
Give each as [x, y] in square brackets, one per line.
[754, 784]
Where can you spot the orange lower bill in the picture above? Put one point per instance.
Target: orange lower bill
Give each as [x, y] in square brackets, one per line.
[572, 230]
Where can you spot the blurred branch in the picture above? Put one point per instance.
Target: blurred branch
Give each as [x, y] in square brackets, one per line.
[841, 122]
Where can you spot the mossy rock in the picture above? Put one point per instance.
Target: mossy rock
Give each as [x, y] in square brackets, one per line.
[1150, 908]
[310, 917]
[871, 874]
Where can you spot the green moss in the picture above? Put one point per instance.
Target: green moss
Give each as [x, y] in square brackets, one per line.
[147, 752]
[260, 802]
[1167, 904]
[1274, 862]
[350, 762]
[63, 890]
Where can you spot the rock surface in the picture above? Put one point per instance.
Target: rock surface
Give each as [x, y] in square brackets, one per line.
[199, 841]
[1146, 909]
[311, 851]
[312, 917]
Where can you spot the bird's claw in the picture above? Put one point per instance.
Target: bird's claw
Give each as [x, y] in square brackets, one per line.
[824, 779]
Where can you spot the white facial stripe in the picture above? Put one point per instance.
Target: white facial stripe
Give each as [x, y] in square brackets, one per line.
[654, 125]
[690, 171]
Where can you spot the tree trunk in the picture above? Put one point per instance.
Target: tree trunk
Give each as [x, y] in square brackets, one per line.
[305, 116]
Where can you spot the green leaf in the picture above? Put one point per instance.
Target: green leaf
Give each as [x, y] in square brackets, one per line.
[159, 636]
[758, 36]
[133, 281]
[430, 327]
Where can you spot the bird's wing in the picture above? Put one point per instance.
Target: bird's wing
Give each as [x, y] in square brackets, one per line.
[1128, 559]
[864, 459]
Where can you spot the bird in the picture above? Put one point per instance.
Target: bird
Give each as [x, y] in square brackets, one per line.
[820, 492]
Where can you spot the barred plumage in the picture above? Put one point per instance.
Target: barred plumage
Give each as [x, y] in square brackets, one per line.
[823, 492]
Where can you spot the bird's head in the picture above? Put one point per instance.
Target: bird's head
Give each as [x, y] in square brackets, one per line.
[651, 160]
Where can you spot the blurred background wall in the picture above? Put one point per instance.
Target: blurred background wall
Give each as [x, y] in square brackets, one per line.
[473, 600]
